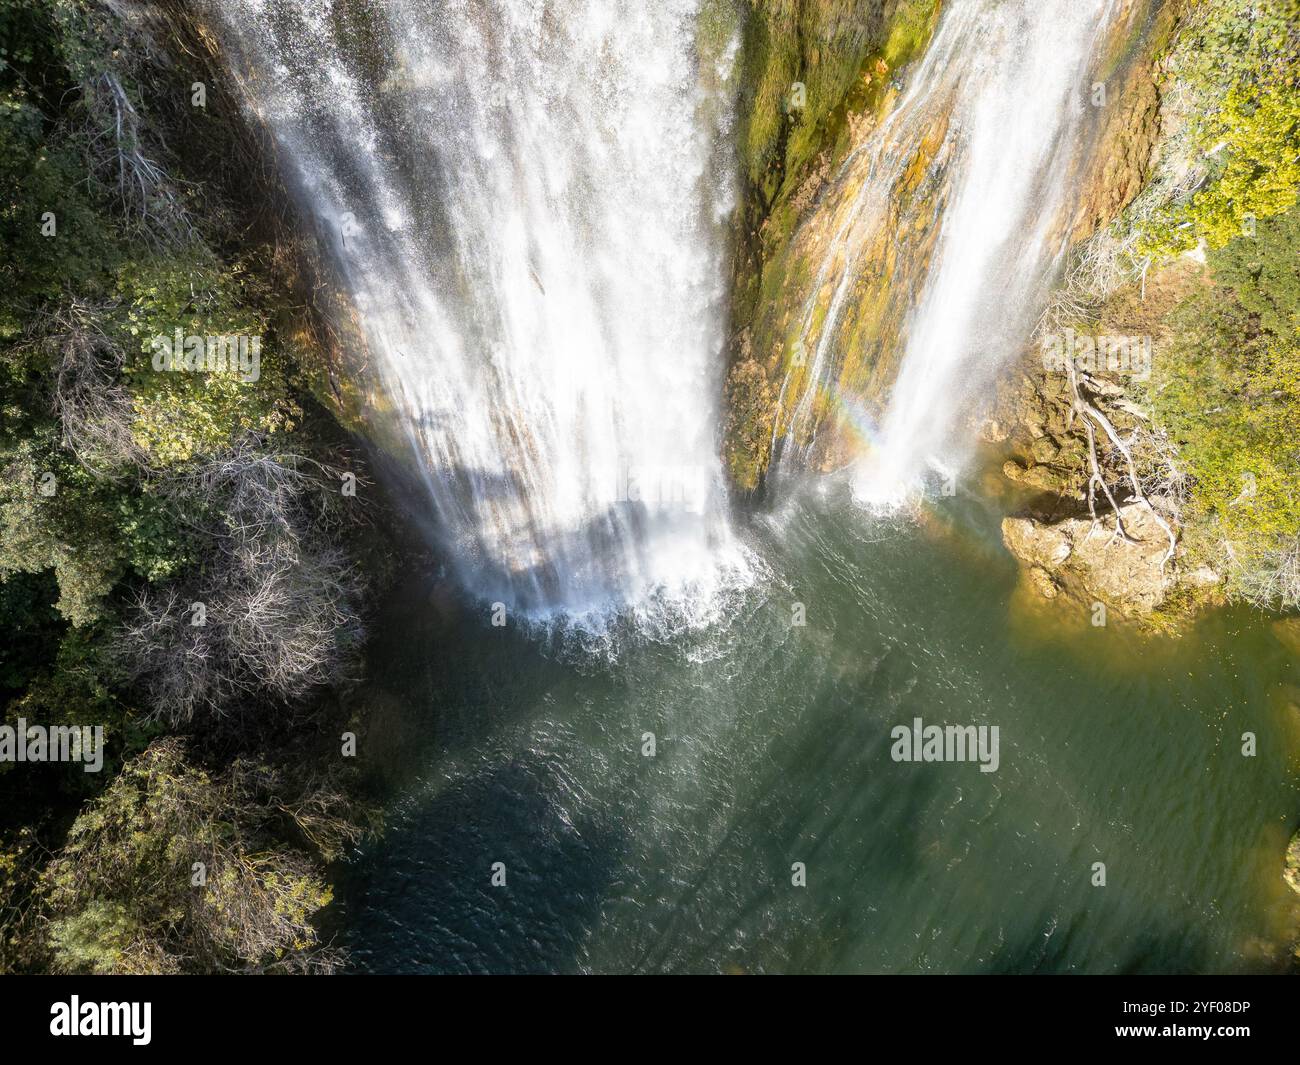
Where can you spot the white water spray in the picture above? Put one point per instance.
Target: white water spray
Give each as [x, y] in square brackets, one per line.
[524, 200]
[1014, 76]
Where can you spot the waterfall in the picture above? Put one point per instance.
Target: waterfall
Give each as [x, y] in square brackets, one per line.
[524, 200]
[1005, 89]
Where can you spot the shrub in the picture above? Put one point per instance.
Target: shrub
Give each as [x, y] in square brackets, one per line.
[175, 869]
[272, 613]
[1227, 387]
[1237, 64]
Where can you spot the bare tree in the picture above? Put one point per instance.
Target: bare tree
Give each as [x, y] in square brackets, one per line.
[147, 195]
[92, 404]
[1271, 580]
[272, 612]
[1089, 413]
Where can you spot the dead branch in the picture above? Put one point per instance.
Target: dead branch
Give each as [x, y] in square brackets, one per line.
[93, 407]
[278, 601]
[1090, 414]
[147, 195]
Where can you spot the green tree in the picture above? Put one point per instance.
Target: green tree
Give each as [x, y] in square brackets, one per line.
[1236, 63]
[176, 869]
[1226, 385]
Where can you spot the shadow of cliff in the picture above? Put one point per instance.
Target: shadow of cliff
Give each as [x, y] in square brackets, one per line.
[435, 908]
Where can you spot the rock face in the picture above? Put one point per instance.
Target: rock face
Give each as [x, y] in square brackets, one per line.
[1131, 120]
[1086, 562]
[1065, 554]
[785, 304]
[849, 55]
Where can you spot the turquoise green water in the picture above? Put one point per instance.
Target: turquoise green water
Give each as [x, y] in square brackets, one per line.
[773, 747]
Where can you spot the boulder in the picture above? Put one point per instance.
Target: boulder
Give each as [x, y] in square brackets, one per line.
[1087, 563]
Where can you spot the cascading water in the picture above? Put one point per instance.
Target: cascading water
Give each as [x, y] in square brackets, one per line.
[523, 199]
[1006, 85]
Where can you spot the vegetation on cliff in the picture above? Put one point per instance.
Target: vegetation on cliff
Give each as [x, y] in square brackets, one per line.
[1226, 382]
[1197, 261]
[1227, 389]
[175, 868]
[176, 540]
[1230, 95]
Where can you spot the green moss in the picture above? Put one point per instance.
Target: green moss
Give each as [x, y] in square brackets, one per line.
[716, 26]
[811, 64]
[842, 59]
[1149, 33]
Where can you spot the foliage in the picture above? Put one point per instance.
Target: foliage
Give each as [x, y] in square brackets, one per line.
[181, 416]
[123, 487]
[1237, 62]
[40, 173]
[124, 896]
[57, 514]
[1264, 274]
[1227, 387]
[70, 530]
[75, 687]
[98, 444]
[23, 943]
[32, 625]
